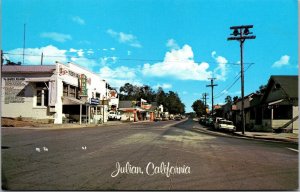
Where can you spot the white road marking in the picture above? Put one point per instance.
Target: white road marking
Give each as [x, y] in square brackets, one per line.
[292, 149]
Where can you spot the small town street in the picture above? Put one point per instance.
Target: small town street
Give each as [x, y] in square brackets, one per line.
[85, 158]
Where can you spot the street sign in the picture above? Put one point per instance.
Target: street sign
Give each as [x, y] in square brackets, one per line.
[94, 101]
[103, 102]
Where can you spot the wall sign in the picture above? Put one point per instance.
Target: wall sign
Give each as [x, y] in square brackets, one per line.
[14, 90]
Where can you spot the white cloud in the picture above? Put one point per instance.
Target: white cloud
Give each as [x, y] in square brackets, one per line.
[85, 42]
[33, 55]
[78, 20]
[283, 61]
[221, 71]
[119, 76]
[172, 44]
[179, 64]
[124, 38]
[112, 49]
[59, 37]
[108, 60]
[72, 50]
[79, 52]
[85, 62]
[164, 86]
[90, 51]
[128, 53]
[51, 54]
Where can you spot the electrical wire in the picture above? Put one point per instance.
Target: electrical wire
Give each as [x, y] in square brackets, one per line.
[230, 86]
[119, 59]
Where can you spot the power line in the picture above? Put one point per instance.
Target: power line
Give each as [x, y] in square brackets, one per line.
[231, 85]
[120, 59]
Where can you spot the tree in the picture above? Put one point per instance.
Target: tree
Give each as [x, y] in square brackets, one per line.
[170, 100]
[228, 99]
[199, 107]
[262, 89]
[235, 98]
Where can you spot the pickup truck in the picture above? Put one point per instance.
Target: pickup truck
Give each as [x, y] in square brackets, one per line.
[114, 115]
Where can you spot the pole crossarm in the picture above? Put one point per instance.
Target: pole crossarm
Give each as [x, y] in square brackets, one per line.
[242, 26]
[241, 38]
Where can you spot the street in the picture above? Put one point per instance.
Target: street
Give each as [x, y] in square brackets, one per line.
[85, 158]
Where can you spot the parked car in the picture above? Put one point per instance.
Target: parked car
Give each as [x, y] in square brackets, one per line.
[157, 119]
[114, 115]
[216, 122]
[227, 125]
[201, 120]
[177, 118]
[209, 122]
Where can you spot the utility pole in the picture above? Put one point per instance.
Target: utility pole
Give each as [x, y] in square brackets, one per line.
[241, 33]
[212, 94]
[204, 98]
[24, 35]
[42, 57]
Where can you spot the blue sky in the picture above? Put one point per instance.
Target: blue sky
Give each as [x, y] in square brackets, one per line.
[176, 44]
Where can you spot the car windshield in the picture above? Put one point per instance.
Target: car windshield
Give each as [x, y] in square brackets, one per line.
[226, 122]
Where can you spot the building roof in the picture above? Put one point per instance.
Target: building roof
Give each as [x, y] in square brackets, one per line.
[126, 104]
[28, 68]
[289, 84]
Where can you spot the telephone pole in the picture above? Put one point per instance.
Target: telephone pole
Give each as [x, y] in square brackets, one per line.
[24, 36]
[241, 33]
[212, 94]
[204, 98]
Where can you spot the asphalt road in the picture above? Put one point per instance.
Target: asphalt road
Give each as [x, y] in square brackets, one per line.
[87, 158]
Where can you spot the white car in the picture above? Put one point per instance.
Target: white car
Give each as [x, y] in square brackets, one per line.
[216, 122]
[227, 125]
[114, 115]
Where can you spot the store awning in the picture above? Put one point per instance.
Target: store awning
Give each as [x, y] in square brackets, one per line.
[71, 101]
[40, 79]
[131, 109]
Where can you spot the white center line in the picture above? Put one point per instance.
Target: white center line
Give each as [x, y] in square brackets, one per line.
[293, 149]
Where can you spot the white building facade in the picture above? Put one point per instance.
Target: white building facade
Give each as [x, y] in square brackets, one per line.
[56, 93]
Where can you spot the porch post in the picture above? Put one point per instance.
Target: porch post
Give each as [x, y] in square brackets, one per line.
[271, 117]
[80, 114]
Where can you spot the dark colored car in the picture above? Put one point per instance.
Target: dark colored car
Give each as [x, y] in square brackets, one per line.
[177, 118]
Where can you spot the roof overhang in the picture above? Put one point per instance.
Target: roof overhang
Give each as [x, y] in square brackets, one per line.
[276, 102]
[71, 101]
[41, 79]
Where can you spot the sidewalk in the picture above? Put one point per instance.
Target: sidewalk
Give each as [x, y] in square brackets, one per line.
[69, 125]
[287, 137]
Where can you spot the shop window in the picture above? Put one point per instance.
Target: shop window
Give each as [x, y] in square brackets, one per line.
[252, 113]
[42, 97]
[282, 112]
[39, 97]
[73, 91]
[46, 95]
[65, 89]
[98, 95]
[267, 113]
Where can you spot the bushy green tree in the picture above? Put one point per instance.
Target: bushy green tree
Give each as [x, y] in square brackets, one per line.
[171, 101]
[199, 107]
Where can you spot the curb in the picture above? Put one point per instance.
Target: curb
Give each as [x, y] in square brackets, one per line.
[235, 135]
[267, 138]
